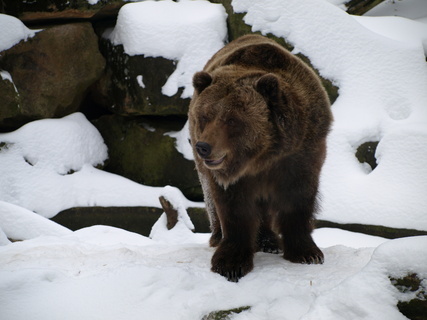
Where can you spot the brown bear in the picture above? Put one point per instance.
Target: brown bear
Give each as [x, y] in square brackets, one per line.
[258, 121]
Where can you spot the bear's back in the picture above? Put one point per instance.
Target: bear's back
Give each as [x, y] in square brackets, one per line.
[257, 52]
[262, 54]
[249, 50]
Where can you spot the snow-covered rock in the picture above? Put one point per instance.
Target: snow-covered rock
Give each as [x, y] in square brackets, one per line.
[49, 165]
[189, 32]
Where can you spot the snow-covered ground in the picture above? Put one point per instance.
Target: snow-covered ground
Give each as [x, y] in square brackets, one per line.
[107, 273]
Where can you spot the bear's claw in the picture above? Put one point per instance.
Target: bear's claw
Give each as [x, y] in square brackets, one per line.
[313, 260]
[313, 256]
[232, 276]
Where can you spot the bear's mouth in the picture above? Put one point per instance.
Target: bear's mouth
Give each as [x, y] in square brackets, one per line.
[213, 163]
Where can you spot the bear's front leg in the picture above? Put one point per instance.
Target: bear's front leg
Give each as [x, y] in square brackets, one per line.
[239, 221]
[232, 261]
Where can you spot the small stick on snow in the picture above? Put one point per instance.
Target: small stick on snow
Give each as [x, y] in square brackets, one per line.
[171, 213]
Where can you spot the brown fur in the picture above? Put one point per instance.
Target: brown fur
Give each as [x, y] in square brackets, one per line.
[259, 119]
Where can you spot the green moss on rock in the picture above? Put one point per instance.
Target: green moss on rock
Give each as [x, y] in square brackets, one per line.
[140, 150]
[224, 314]
[415, 309]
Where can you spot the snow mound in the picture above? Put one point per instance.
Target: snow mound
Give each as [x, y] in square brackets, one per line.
[397, 28]
[62, 145]
[382, 97]
[413, 9]
[187, 31]
[13, 31]
[21, 224]
[106, 236]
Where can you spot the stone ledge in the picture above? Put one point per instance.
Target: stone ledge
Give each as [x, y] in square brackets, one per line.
[373, 230]
[141, 220]
[134, 219]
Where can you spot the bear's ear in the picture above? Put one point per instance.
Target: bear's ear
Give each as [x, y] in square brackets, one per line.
[268, 86]
[201, 80]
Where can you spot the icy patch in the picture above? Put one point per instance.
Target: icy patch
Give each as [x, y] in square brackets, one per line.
[187, 31]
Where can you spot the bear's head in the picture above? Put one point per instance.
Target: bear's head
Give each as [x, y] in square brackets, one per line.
[237, 127]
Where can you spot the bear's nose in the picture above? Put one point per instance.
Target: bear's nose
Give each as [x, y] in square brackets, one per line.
[203, 149]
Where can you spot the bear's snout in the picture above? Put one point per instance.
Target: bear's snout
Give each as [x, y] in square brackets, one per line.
[203, 149]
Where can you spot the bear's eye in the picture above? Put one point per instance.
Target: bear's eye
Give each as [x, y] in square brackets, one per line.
[231, 121]
[204, 119]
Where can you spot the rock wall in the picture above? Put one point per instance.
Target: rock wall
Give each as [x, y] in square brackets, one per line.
[69, 66]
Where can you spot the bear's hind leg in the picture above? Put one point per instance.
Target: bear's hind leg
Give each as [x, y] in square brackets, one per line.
[267, 240]
[295, 225]
[295, 201]
[298, 245]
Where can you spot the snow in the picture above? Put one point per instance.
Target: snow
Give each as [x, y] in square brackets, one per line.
[357, 297]
[339, 3]
[412, 9]
[182, 141]
[106, 273]
[328, 237]
[397, 28]
[20, 223]
[13, 31]
[7, 76]
[187, 31]
[382, 97]
[140, 81]
[49, 165]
